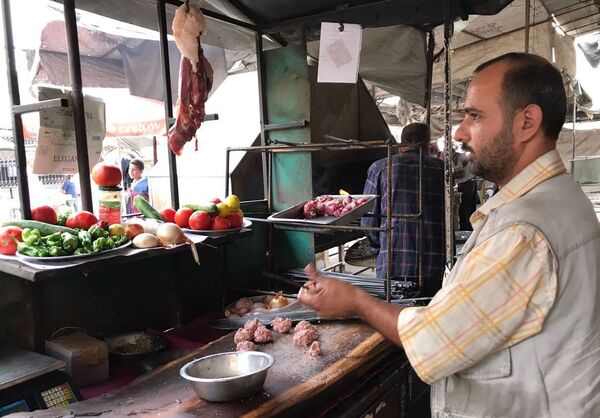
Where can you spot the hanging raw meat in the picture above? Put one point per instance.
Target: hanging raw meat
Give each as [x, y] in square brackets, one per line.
[195, 76]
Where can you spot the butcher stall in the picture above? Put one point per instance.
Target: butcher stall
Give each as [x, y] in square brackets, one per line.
[121, 329]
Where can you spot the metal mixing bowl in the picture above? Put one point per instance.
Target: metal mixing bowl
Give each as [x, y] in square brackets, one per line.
[228, 376]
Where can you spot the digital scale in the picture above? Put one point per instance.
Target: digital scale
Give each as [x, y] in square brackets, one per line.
[30, 381]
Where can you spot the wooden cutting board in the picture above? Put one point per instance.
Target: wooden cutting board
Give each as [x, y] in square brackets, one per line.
[295, 377]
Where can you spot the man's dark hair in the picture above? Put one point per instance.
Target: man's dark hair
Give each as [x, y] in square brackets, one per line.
[531, 79]
[416, 133]
[138, 163]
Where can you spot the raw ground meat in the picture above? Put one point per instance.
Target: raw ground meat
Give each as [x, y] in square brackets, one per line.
[281, 325]
[242, 335]
[304, 325]
[315, 349]
[246, 346]
[306, 336]
[262, 335]
[251, 325]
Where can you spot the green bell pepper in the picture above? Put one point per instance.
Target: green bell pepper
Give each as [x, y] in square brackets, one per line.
[29, 250]
[53, 239]
[99, 244]
[109, 244]
[62, 219]
[97, 232]
[56, 251]
[81, 251]
[85, 239]
[119, 240]
[69, 242]
[31, 236]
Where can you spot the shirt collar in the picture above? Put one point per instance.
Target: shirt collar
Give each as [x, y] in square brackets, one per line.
[543, 168]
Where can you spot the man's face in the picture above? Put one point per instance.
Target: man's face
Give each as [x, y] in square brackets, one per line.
[486, 132]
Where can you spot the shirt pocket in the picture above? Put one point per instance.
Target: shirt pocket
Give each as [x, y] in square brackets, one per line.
[494, 366]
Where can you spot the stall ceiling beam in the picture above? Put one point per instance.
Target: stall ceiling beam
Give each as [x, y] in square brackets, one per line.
[218, 16]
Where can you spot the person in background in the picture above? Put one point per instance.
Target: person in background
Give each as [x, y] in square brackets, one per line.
[139, 185]
[68, 187]
[405, 174]
[467, 186]
[515, 330]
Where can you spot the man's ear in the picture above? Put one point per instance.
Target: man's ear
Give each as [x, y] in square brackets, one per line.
[528, 122]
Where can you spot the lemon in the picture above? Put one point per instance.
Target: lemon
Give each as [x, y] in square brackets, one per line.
[116, 230]
[233, 201]
[223, 209]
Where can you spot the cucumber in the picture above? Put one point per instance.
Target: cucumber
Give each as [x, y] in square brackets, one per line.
[43, 227]
[146, 208]
[209, 208]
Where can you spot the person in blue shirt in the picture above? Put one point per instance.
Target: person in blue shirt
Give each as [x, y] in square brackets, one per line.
[139, 185]
[405, 237]
[68, 187]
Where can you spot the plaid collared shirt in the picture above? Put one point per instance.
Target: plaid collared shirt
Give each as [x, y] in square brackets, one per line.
[500, 294]
[405, 176]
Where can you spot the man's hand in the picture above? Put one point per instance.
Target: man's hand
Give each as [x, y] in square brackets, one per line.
[333, 298]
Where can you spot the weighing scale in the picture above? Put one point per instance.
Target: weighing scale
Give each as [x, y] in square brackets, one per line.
[30, 381]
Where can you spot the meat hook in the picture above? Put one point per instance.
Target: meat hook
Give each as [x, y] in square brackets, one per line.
[187, 5]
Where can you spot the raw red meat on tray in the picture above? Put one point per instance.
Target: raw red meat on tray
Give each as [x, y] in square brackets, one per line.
[326, 205]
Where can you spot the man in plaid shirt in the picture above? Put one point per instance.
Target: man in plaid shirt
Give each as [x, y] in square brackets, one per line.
[405, 198]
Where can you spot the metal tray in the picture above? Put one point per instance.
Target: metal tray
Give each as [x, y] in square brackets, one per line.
[210, 233]
[295, 213]
[72, 257]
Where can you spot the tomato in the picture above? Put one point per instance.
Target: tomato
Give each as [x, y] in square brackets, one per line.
[220, 224]
[8, 246]
[236, 220]
[44, 213]
[215, 200]
[168, 214]
[182, 217]
[83, 220]
[106, 175]
[200, 220]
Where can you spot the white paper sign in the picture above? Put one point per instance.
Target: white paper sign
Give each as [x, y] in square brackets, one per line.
[339, 53]
[56, 152]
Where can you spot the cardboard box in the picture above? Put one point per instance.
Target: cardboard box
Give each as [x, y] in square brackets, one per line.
[86, 357]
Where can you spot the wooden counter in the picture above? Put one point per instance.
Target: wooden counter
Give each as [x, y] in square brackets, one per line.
[349, 349]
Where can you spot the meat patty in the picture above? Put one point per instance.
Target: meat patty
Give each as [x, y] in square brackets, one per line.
[281, 325]
[305, 337]
[245, 346]
[315, 349]
[304, 325]
[262, 335]
[251, 325]
[242, 335]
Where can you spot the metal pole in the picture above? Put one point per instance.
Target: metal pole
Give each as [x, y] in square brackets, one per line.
[430, 52]
[17, 122]
[574, 134]
[83, 161]
[448, 149]
[164, 56]
[527, 18]
[389, 231]
[262, 103]
[420, 236]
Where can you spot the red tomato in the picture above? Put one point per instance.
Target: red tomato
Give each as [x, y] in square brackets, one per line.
[8, 246]
[182, 217]
[168, 214]
[220, 224]
[83, 220]
[44, 213]
[200, 220]
[215, 200]
[236, 220]
[106, 175]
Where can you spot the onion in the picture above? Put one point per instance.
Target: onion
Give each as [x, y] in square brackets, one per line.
[278, 302]
[151, 225]
[170, 234]
[145, 240]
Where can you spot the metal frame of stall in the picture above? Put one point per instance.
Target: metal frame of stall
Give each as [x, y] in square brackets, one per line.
[265, 149]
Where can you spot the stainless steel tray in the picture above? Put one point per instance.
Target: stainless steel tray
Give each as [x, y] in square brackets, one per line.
[295, 213]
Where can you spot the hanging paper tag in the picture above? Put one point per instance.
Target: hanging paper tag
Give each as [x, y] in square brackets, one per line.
[339, 52]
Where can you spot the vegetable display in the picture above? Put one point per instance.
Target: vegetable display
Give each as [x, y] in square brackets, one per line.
[214, 215]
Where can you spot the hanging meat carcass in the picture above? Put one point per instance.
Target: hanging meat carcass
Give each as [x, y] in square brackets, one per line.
[195, 76]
